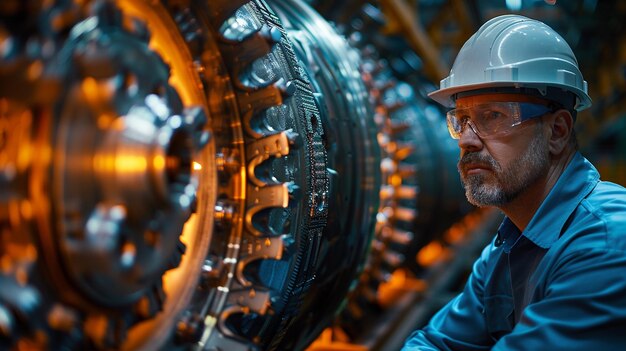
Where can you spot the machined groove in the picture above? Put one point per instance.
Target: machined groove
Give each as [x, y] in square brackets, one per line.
[263, 198]
[255, 248]
[260, 150]
[253, 102]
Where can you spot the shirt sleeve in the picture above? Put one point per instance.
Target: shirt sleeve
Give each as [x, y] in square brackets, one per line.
[460, 325]
[583, 306]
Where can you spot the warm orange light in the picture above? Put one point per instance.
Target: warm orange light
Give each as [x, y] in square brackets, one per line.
[197, 166]
[334, 339]
[401, 281]
[395, 180]
[158, 162]
[455, 234]
[432, 253]
[130, 164]
[90, 88]
[121, 163]
[26, 208]
[104, 120]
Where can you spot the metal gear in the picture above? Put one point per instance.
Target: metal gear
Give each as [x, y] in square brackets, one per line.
[103, 180]
[272, 189]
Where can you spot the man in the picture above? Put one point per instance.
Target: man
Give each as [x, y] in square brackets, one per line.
[554, 277]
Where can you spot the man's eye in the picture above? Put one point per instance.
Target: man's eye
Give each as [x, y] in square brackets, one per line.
[491, 115]
[463, 119]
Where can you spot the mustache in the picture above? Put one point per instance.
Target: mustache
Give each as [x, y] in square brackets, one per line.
[477, 158]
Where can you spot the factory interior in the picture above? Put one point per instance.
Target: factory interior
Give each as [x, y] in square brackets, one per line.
[234, 175]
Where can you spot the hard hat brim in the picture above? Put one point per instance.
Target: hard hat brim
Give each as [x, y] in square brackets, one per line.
[446, 96]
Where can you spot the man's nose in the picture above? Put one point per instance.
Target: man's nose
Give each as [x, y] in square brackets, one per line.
[469, 140]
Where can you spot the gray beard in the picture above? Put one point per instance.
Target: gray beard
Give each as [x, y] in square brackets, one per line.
[504, 185]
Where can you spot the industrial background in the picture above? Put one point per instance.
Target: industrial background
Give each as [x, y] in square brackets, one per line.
[250, 174]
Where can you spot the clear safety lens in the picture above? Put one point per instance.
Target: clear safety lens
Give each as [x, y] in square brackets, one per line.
[492, 119]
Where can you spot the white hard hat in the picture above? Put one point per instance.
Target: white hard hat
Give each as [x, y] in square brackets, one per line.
[513, 51]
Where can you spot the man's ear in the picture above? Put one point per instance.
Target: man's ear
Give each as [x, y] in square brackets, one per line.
[561, 124]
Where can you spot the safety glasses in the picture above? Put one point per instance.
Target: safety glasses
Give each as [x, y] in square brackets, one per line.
[494, 118]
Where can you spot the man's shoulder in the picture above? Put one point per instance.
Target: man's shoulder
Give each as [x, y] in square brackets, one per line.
[606, 198]
[604, 211]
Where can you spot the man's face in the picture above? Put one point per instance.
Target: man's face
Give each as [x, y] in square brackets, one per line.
[497, 170]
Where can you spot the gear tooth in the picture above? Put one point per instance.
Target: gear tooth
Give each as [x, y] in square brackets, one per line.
[260, 198]
[272, 34]
[155, 299]
[245, 302]
[394, 107]
[404, 214]
[221, 10]
[402, 237]
[240, 56]
[295, 193]
[388, 166]
[108, 14]
[196, 120]
[392, 259]
[403, 151]
[386, 192]
[257, 248]
[140, 30]
[253, 102]
[406, 192]
[287, 89]
[177, 256]
[190, 30]
[251, 300]
[407, 171]
[398, 128]
[274, 145]
[195, 117]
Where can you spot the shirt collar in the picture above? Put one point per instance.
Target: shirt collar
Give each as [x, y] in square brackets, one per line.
[508, 235]
[576, 182]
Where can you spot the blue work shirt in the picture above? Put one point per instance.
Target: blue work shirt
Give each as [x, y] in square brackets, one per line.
[559, 285]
